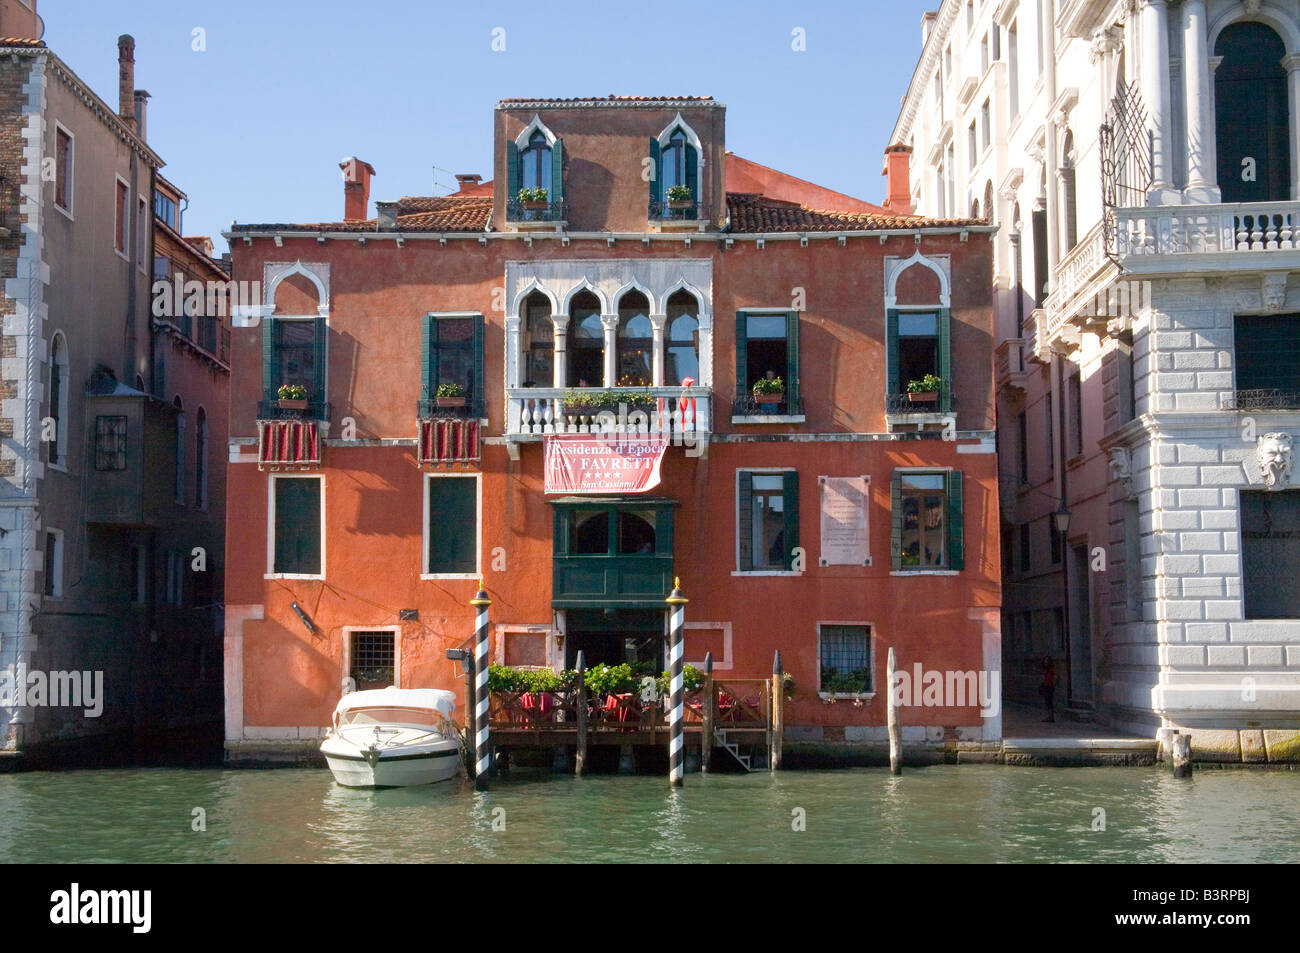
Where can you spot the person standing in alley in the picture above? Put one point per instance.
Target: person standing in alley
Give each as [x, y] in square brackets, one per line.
[1048, 688]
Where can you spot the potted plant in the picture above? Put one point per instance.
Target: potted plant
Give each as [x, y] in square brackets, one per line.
[534, 200]
[292, 397]
[769, 390]
[925, 390]
[679, 196]
[450, 394]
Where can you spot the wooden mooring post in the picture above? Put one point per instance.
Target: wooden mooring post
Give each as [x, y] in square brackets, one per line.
[891, 705]
[777, 732]
[482, 752]
[706, 730]
[580, 756]
[1182, 747]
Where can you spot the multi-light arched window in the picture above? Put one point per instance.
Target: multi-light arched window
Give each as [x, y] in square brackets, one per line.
[989, 215]
[58, 401]
[535, 163]
[539, 341]
[201, 459]
[535, 175]
[682, 349]
[586, 342]
[1252, 115]
[633, 364]
[675, 172]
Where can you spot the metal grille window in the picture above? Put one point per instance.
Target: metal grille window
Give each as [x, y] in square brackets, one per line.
[845, 659]
[373, 659]
[110, 443]
[1270, 553]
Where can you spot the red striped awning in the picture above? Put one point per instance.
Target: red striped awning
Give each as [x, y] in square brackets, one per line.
[449, 440]
[288, 443]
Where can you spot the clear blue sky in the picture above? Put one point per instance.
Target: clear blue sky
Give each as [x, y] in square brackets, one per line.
[253, 127]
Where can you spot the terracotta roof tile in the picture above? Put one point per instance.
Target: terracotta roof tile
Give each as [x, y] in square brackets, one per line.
[415, 213]
[756, 213]
[20, 41]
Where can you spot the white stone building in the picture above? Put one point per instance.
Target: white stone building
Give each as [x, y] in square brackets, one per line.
[1142, 159]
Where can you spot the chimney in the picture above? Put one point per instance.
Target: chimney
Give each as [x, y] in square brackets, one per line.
[126, 79]
[898, 188]
[386, 212]
[141, 104]
[468, 180]
[928, 21]
[356, 188]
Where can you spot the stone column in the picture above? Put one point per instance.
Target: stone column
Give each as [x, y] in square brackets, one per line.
[1201, 177]
[657, 323]
[610, 324]
[513, 352]
[560, 350]
[1292, 66]
[1155, 96]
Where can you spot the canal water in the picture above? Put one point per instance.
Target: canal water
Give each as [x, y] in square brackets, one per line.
[968, 813]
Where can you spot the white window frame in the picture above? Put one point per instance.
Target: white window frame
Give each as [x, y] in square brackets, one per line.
[55, 586]
[72, 165]
[871, 660]
[478, 526]
[60, 403]
[735, 492]
[270, 528]
[350, 630]
[125, 235]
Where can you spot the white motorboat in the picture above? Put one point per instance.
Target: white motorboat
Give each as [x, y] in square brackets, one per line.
[393, 737]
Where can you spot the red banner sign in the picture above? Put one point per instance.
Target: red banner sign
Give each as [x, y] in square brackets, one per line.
[606, 463]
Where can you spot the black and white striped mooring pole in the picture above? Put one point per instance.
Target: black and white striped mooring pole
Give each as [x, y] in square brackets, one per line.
[482, 755]
[677, 615]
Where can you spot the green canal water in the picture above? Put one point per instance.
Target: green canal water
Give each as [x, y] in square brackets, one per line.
[968, 813]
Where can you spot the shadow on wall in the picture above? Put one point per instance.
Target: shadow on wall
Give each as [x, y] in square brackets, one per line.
[593, 203]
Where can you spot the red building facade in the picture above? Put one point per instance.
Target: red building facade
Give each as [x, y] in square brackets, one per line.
[833, 521]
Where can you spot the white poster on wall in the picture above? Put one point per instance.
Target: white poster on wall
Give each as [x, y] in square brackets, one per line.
[844, 541]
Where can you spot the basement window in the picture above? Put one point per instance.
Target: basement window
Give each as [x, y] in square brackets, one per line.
[373, 659]
[845, 655]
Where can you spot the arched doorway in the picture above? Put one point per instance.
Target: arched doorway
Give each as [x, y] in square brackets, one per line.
[1252, 115]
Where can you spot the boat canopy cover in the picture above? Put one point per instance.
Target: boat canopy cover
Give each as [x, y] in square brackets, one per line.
[431, 698]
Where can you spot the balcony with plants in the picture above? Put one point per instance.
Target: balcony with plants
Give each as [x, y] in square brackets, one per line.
[536, 207]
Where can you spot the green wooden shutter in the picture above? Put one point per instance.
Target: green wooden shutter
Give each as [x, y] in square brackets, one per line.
[893, 386]
[956, 530]
[792, 362]
[693, 172]
[512, 173]
[745, 519]
[297, 526]
[453, 525]
[654, 170]
[557, 173]
[742, 358]
[945, 360]
[478, 398]
[320, 356]
[790, 516]
[896, 520]
[269, 384]
[428, 354]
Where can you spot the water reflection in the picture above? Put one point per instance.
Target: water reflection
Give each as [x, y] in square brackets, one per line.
[967, 813]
